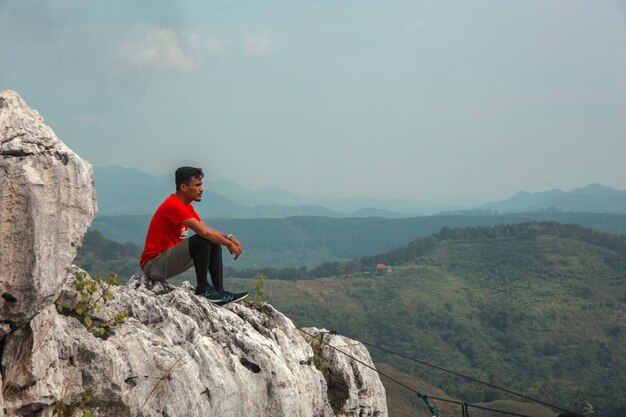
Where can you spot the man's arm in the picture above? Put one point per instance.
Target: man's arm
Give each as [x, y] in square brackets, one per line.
[215, 236]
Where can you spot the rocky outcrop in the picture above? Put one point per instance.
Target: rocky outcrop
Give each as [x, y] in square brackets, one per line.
[349, 373]
[179, 355]
[176, 355]
[47, 202]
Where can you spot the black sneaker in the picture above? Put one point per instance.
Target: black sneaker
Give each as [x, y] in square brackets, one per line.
[229, 297]
[211, 294]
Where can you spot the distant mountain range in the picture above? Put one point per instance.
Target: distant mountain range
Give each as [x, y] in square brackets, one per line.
[594, 198]
[129, 191]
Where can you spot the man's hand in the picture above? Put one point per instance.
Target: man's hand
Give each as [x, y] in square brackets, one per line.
[234, 247]
[236, 242]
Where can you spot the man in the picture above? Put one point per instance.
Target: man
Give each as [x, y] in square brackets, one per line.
[168, 252]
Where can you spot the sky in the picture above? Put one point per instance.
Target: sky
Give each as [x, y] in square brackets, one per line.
[433, 100]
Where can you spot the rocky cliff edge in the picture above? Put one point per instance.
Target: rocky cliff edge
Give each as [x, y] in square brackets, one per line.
[176, 354]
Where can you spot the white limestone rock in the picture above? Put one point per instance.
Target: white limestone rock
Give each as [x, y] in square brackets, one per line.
[47, 203]
[179, 355]
[354, 387]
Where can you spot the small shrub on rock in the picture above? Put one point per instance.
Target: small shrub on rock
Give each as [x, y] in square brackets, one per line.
[93, 293]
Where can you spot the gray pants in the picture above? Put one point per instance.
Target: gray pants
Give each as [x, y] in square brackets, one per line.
[172, 261]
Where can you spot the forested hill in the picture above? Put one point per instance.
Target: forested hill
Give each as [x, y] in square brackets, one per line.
[419, 247]
[518, 231]
[537, 307]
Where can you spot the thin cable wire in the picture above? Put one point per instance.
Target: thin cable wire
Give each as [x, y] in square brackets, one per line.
[411, 389]
[465, 376]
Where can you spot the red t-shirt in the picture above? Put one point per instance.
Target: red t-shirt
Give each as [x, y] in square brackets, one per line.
[166, 227]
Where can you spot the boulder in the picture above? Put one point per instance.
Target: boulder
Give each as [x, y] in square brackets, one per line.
[177, 355]
[354, 387]
[47, 203]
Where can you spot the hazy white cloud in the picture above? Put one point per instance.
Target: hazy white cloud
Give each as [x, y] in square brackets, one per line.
[257, 43]
[160, 49]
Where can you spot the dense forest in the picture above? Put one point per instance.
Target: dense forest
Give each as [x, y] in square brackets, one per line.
[537, 307]
[419, 247]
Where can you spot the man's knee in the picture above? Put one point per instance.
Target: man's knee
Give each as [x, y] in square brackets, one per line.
[197, 242]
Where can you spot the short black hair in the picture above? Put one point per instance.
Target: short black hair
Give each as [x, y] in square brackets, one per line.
[184, 174]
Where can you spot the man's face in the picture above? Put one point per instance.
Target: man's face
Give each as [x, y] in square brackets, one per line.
[194, 189]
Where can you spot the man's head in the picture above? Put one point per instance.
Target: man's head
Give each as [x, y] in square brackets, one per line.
[189, 183]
